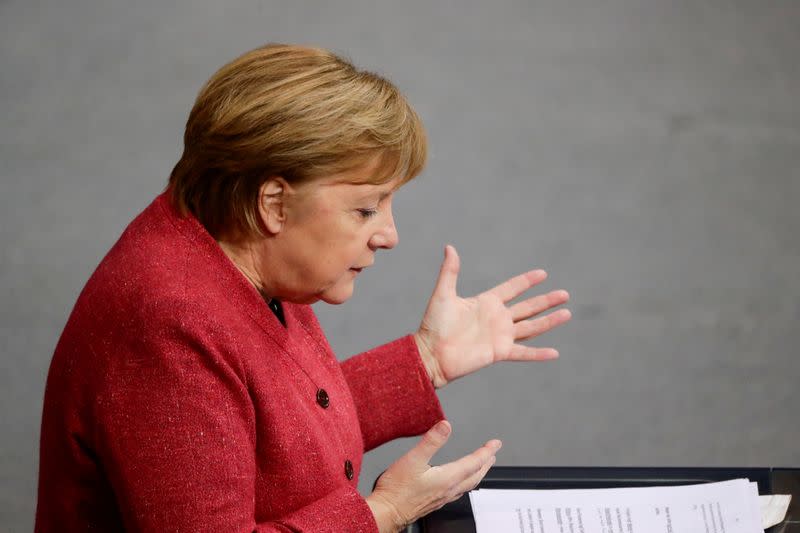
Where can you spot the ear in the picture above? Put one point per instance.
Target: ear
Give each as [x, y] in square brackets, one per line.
[272, 197]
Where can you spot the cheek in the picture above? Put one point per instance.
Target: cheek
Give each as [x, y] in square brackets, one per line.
[346, 245]
[333, 242]
[332, 253]
[324, 238]
[342, 259]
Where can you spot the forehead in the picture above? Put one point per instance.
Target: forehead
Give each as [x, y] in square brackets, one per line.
[359, 181]
[354, 193]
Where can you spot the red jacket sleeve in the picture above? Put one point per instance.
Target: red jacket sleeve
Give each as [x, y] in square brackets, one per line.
[393, 394]
[176, 437]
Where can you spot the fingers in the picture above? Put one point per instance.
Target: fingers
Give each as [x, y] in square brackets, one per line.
[472, 481]
[526, 329]
[413, 489]
[448, 273]
[534, 306]
[520, 352]
[431, 442]
[470, 465]
[510, 289]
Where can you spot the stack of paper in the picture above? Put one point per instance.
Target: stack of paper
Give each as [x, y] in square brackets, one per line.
[725, 507]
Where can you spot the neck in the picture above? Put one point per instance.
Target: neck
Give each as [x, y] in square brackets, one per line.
[243, 256]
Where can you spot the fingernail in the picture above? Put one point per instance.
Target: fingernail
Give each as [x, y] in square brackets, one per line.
[443, 428]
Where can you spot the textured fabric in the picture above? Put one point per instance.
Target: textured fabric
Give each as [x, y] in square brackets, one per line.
[383, 377]
[176, 400]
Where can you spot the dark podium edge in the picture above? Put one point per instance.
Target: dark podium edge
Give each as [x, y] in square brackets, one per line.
[456, 516]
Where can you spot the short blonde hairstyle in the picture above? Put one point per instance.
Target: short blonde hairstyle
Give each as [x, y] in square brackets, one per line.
[291, 111]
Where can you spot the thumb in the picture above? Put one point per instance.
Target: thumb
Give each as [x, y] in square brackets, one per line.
[431, 442]
[448, 273]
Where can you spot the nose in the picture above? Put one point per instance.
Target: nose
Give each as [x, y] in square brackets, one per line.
[386, 237]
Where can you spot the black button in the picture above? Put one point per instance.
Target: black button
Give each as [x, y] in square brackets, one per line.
[323, 399]
[348, 469]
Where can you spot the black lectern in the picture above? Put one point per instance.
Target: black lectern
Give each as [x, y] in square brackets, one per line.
[456, 517]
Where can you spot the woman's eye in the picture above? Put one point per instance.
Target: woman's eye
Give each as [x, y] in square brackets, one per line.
[367, 213]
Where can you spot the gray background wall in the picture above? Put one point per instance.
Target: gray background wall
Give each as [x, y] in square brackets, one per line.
[646, 153]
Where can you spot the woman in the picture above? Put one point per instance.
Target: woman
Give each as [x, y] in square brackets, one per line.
[192, 388]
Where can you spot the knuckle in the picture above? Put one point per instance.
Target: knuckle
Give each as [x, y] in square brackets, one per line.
[430, 435]
[431, 440]
[484, 458]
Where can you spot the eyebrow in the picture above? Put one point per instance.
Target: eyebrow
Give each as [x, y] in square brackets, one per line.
[382, 196]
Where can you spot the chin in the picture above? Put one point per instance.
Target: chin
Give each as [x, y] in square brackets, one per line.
[337, 294]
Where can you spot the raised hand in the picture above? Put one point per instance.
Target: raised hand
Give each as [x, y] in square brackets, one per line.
[411, 488]
[458, 336]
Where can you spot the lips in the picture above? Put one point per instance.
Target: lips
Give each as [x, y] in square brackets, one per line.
[359, 269]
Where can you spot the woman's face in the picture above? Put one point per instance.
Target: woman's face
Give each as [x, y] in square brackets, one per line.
[332, 229]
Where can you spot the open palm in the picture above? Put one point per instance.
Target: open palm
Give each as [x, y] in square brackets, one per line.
[458, 336]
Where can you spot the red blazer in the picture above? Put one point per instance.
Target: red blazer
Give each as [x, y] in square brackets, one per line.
[176, 400]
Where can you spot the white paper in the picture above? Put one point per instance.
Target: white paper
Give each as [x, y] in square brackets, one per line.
[724, 507]
[773, 508]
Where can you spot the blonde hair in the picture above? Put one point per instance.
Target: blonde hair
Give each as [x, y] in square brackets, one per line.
[291, 111]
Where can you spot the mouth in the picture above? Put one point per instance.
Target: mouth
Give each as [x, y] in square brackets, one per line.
[359, 269]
